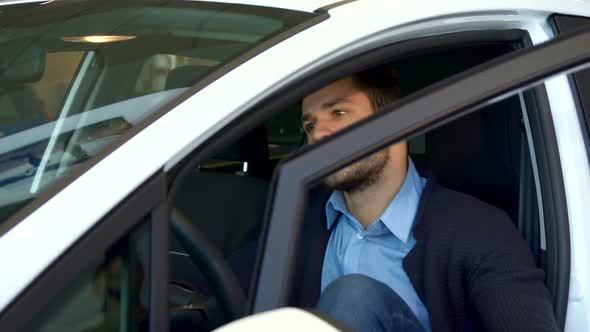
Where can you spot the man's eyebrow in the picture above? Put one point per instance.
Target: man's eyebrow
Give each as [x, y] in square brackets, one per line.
[305, 117]
[333, 102]
[325, 106]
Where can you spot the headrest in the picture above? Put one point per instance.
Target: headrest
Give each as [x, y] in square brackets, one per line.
[185, 76]
[251, 147]
[480, 154]
[22, 101]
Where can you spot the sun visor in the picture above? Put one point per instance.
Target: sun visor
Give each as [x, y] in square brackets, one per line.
[21, 63]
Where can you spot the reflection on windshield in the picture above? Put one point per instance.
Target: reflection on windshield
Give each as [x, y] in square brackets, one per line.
[75, 76]
[21, 153]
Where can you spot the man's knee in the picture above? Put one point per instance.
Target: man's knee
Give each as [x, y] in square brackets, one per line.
[357, 285]
[363, 303]
[356, 290]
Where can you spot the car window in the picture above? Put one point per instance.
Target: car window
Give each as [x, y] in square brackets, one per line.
[111, 294]
[81, 74]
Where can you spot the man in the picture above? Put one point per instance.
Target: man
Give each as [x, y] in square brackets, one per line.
[405, 254]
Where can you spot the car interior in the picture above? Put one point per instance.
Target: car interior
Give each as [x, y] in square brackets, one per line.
[484, 154]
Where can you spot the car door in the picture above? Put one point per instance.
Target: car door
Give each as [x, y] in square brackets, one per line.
[516, 74]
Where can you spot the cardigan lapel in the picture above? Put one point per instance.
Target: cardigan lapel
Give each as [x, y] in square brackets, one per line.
[412, 263]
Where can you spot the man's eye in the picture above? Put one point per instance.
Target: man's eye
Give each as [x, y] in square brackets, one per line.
[309, 126]
[339, 112]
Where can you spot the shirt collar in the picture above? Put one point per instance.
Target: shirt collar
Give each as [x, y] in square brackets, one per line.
[399, 215]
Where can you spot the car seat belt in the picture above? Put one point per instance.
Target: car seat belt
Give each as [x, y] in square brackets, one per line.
[528, 212]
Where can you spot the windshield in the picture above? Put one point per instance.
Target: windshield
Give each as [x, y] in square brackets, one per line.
[76, 75]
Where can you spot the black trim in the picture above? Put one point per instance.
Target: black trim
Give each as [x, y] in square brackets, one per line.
[553, 199]
[159, 268]
[578, 90]
[325, 9]
[453, 98]
[580, 81]
[56, 187]
[75, 259]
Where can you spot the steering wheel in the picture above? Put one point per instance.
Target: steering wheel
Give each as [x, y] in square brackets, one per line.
[211, 263]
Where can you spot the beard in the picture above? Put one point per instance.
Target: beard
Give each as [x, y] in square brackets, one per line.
[359, 176]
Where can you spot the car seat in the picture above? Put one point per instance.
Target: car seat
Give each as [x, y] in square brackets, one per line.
[185, 76]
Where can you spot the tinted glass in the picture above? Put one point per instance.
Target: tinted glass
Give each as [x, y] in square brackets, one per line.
[76, 75]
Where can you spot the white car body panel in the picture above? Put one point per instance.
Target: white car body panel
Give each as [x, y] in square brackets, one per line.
[173, 136]
[18, 2]
[576, 176]
[284, 319]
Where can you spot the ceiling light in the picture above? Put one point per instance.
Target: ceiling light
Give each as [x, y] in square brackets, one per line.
[96, 39]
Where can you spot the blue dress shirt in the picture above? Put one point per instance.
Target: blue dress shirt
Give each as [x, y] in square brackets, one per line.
[377, 252]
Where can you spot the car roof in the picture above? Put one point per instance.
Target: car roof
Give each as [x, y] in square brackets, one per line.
[398, 7]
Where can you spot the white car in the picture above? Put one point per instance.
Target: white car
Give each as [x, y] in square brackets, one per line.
[154, 174]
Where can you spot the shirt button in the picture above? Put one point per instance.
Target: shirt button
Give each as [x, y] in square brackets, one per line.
[360, 236]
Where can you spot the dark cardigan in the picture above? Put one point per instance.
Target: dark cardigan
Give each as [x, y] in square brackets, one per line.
[470, 266]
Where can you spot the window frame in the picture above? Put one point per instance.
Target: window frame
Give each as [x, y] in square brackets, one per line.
[148, 201]
[410, 117]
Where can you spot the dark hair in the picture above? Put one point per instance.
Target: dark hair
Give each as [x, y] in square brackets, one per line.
[381, 84]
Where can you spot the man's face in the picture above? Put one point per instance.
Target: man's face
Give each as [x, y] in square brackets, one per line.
[332, 109]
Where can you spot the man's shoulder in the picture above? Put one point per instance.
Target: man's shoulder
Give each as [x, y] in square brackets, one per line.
[468, 226]
[454, 211]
